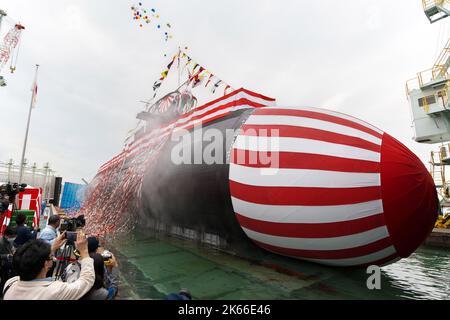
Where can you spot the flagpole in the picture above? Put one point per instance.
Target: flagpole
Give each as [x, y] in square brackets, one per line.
[22, 164]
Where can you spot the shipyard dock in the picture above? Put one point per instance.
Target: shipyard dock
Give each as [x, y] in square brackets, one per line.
[439, 238]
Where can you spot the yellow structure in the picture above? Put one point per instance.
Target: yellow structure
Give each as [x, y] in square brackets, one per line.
[442, 223]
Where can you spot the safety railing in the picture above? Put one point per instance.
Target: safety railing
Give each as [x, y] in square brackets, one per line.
[425, 77]
[411, 85]
[418, 82]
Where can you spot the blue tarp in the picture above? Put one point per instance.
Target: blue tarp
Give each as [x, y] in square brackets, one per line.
[73, 195]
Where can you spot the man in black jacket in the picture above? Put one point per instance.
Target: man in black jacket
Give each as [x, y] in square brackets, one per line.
[24, 233]
[6, 253]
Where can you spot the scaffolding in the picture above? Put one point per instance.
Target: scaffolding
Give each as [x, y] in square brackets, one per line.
[439, 162]
[428, 94]
[32, 175]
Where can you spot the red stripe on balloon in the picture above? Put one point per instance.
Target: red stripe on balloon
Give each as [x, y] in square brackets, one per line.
[318, 116]
[312, 230]
[303, 196]
[308, 133]
[293, 160]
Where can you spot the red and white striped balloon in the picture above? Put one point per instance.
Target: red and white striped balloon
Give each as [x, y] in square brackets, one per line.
[343, 192]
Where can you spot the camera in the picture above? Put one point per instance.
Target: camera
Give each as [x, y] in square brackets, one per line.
[8, 194]
[107, 257]
[71, 236]
[73, 224]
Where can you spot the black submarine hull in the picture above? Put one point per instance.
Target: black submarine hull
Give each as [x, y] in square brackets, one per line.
[193, 199]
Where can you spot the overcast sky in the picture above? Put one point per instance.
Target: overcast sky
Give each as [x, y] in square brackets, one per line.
[353, 56]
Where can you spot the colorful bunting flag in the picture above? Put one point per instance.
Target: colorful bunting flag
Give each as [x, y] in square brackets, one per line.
[211, 76]
[216, 85]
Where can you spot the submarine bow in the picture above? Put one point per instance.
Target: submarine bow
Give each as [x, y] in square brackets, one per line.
[342, 192]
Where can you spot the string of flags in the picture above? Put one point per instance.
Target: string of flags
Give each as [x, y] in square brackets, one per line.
[198, 75]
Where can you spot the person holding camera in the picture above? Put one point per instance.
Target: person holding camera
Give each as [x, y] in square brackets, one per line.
[110, 274]
[101, 290]
[24, 234]
[49, 233]
[32, 262]
[7, 250]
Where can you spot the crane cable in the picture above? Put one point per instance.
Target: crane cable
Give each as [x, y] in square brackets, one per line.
[438, 41]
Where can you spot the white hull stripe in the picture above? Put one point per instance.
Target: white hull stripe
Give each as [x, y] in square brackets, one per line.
[307, 214]
[157, 134]
[337, 114]
[186, 121]
[305, 178]
[240, 95]
[311, 123]
[361, 260]
[282, 144]
[339, 243]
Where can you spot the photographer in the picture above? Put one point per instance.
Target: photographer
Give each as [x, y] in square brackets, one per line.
[32, 262]
[24, 234]
[49, 233]
[100, 291]
[111, 267]
[6, 253]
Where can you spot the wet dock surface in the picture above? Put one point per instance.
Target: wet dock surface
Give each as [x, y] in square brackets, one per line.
[154, 267]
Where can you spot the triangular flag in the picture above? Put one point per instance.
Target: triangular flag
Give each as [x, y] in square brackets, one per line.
[216, 85]
[195, 67]
[164, 75]
[156, 85]
[211, 76]
[171, 63]
[225, 90]
[198, 79]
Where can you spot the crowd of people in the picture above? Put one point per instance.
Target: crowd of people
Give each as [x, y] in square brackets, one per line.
[30, 261]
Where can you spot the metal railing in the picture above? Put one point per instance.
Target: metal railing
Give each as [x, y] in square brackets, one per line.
[434, 74]
[32, 175]
[418, 82]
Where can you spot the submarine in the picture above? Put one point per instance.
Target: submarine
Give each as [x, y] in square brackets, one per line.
[303, 182]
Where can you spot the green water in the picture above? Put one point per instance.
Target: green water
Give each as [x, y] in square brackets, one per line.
[154, 267]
